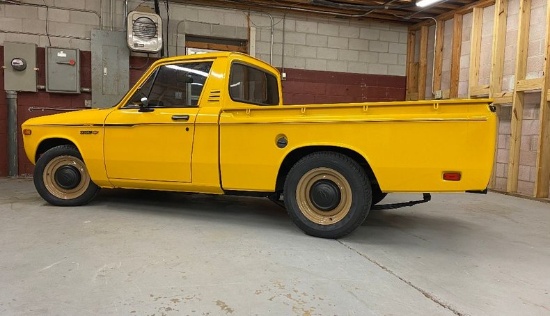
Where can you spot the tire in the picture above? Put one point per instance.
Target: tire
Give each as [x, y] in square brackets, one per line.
[377, 195]
[61, 177]
[327, 194]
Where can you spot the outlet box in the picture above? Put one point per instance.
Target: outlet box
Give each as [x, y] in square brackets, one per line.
[283, 76]
[438, 94]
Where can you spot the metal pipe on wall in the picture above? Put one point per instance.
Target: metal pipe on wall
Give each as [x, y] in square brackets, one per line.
[112, 14]
[125, 15]
[271, 42]
[13, 164]
[283, 48]
[45, 34]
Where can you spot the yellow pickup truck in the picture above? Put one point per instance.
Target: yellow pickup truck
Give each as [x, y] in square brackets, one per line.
[215, 123]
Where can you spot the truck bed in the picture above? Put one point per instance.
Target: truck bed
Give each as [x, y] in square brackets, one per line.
[408, 145]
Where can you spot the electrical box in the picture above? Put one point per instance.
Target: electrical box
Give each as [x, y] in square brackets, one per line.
[19, 66]
[110, 67]
[62, 70]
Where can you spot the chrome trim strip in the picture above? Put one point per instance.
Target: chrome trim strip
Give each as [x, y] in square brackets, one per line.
[420, 120]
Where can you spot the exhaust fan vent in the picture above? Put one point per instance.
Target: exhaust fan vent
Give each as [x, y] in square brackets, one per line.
[144, 32]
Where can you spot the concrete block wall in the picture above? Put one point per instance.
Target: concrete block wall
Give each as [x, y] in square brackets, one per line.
[316, 44]
[464, 75]
[309, 43]
[486, 45]
[447, 52]
[535, 58]
[510, 48]
[537, 33]
[430, 61]
[528, 149]
[531, 123]
[503, 147]
[535, 50]
[74, 27]
[529, 144]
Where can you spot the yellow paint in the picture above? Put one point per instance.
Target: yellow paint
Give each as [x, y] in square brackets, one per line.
[67, 126]
[149, 145]
[408, 145]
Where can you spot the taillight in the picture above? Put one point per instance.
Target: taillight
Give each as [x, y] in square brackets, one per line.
[452, 176]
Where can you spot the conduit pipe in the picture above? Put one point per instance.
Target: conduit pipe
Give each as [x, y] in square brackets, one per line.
[13, 166]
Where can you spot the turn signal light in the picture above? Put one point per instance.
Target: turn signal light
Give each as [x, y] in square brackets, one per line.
[451, 176]
[27, 131]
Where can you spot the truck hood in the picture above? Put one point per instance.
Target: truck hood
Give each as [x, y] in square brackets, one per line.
[83, 117]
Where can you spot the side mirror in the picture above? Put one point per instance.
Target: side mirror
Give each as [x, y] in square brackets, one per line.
[144, 105]
[144, 102]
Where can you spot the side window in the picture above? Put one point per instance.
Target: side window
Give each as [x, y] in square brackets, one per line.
[251, 85]
[176, 85]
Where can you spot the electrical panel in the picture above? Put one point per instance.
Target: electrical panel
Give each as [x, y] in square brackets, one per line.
[19, 66]
[62, 70]
[110, 67]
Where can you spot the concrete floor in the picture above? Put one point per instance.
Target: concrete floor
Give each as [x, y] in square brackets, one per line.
[154, 253]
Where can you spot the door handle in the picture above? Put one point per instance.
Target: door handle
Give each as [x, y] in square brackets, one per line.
[180, 117]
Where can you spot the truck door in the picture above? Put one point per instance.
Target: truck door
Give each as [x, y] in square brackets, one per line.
[151, 137]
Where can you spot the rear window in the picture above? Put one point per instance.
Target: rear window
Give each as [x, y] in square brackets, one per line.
[251, 85]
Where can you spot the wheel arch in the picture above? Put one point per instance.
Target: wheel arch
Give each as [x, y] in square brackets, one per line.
[49, 143]
[296, 154]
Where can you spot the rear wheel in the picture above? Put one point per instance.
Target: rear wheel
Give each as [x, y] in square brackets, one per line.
[327, 194]
[61, 177]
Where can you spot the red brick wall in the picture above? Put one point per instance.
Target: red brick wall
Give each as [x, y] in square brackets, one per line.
[138, 65]
[41, 98]
[308, 86]
[302, 86]
[28, 100]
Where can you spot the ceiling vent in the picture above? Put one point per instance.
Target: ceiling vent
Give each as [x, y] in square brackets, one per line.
[144, 32]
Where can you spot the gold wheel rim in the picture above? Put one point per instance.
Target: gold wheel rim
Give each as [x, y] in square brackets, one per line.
[58, 191]
[308, 208]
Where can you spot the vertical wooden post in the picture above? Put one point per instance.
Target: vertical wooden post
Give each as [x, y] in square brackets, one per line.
[475, 49]
[517, 105]
[542, 182]
[411, 77]
[455, 59]
[499, 40]
[497, 64]
[423, 63]
[438, 57]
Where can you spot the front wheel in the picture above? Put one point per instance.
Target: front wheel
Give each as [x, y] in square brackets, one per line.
[327, 194]
[61, 177]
